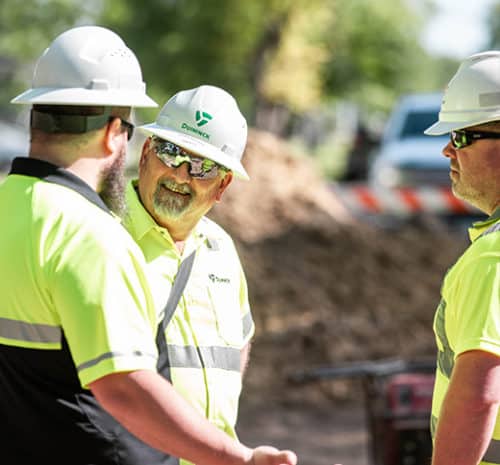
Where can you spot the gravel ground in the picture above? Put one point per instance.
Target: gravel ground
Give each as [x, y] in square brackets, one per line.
[318, 435]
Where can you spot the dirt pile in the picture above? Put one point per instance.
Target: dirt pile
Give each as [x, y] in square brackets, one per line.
[323, 288]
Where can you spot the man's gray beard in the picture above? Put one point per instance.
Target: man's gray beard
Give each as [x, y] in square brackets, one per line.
[167, 205]
[113, 186]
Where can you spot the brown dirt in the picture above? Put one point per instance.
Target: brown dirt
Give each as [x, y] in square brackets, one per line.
[324, 289]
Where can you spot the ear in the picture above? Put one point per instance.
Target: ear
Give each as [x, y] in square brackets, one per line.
[145, 150]
[224, 183]
[114, 137]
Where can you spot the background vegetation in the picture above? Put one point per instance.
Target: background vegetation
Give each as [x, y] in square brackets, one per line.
[292, 65]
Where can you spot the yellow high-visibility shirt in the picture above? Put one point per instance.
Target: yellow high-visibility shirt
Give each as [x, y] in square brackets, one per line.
[468, 315]
[212, 322]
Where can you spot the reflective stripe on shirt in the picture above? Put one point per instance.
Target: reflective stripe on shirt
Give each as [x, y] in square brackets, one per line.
[29, 332]
[225, 358]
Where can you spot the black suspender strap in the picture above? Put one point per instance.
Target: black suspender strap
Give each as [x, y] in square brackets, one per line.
[51, 173]
[178, 286]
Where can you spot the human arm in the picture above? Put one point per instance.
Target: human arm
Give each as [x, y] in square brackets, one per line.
[149, 407]
[469, 410]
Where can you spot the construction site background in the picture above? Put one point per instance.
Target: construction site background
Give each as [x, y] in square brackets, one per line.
[324, 289]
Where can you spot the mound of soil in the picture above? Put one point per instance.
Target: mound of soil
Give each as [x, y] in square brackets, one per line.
[325, 289]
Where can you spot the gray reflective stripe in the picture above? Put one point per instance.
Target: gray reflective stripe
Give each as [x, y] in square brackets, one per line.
[107, 355]
[29, 332]
[225, 358]
[247, 324]
[492, 229]
[492, 454]
[446, 356]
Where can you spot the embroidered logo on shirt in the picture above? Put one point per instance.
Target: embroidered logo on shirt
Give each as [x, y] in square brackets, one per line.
[216, 279]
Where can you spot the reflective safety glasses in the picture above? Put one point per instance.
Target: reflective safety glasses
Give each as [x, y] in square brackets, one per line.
[174, 156]
[463, 138]
[129, 127]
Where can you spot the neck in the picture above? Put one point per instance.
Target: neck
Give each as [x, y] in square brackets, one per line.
[179, 229]
[495, 208]
[179, 245]
[179, 236]
[85, 167]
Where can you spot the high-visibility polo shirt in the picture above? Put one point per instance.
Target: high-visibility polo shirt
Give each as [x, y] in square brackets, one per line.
[468, 315]
[75, 307]
[212, 322]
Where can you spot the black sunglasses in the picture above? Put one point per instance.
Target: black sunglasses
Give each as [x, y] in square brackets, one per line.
[463, 138]
[125, 124]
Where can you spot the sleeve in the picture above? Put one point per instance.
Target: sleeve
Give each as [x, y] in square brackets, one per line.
[103, 303]
[248, 324]
[476, 315]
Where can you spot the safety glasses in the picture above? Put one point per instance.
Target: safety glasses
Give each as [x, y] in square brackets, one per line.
[174, 156]
[463, 138]
[129, 127]
[124, 124]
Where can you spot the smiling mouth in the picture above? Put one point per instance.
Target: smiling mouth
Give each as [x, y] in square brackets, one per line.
[174, 189]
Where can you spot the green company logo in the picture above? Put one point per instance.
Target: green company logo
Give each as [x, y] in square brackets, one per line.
[195, 130]
[202, 118]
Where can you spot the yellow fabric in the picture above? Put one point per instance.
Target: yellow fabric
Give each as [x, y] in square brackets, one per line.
[211, 314]
[71, 267]
[468, 316]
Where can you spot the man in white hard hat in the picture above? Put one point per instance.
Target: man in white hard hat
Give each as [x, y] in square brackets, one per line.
[193, 151]
[465, 424]
[77, 321]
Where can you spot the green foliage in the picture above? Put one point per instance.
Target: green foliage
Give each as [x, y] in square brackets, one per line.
[27, 28]
[374, 51]
[183, 44]
[494, 26]
[292, 54]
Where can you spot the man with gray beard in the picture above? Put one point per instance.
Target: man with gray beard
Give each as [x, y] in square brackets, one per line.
[79, 382]
[193, 151]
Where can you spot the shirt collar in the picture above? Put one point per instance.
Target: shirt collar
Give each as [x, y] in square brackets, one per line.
[137, 220]
[49, 172]
[479, 227]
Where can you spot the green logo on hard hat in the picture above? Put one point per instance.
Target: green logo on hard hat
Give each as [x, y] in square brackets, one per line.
[202, 118]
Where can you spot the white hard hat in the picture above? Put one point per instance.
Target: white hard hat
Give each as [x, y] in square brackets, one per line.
[206, 121]
[87, 65]
[472, 96]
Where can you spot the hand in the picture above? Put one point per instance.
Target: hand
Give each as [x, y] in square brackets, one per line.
[267, 455]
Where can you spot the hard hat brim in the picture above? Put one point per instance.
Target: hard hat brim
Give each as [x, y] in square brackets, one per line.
[197, 146]
[440, 128]
[84, 97]
[443, 127]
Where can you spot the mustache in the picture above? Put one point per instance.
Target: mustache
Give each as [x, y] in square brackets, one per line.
[173, 186]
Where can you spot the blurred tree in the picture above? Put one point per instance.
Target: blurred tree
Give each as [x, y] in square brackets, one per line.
[290, 80]
[494, 26]
[27, 28]
[280, 58]
[183, 44]
[375, 52]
